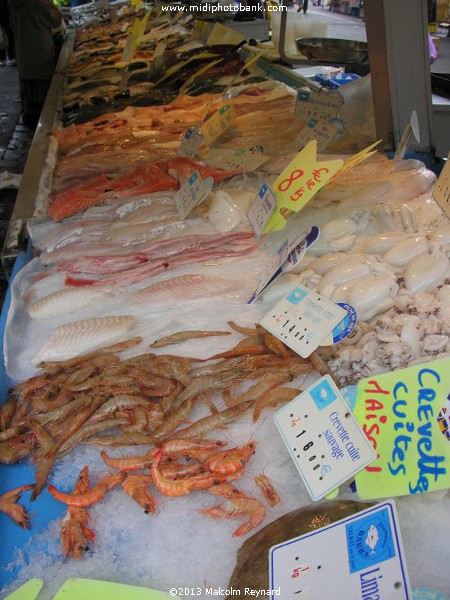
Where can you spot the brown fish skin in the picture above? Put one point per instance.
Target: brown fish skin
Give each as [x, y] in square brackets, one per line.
[252, 558]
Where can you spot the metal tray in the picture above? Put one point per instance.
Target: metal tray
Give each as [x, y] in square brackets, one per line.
[333, 50]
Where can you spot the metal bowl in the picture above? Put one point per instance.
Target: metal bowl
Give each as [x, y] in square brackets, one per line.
[333, 50]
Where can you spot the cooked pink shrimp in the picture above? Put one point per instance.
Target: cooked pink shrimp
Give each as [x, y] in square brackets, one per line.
[231, 461]
[136, 486]
[90, 496]
[9, 506]
[269, 492]
[238, 504]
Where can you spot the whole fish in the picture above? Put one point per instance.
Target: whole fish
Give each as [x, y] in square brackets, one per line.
[252, 560]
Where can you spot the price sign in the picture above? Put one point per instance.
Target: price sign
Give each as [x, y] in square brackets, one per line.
[441, 192]
[358, 158]
[213, 128]
[321, 106]
[323, 437]
[190, 143]
[299, 183]
[262, 209]
[362, 554]
[247, 160]
[192, 193]
[302, 320]
[405, 417]
[286, 258]
[323, 132]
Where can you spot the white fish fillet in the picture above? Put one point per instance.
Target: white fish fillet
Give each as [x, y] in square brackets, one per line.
[79, 337]
[183, 287]
[66, 301]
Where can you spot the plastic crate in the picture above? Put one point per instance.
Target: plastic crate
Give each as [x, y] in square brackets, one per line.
[336, 81]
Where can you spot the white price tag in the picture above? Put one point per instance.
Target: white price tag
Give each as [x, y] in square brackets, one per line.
[192, 193]
[325, 441]
[262, 208]
[321, 106]
[190, 143]
[441, 192]
[248, 160]
[287, 257]
[360, 556]
[213, 128]
[323, 132]
[303, 320]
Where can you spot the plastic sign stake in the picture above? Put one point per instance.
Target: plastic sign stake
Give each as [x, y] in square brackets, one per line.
[441, 192]
[325, 441]
[299, 183]
[403, 415]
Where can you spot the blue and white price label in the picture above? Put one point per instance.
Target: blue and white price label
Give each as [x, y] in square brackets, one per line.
[262, 208]
[192, 193]
[213, 128]
[321, 106]
[190, 143]
[325, 441]
[361, 555]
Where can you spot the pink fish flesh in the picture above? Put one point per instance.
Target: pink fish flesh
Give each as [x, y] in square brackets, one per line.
[183, 287]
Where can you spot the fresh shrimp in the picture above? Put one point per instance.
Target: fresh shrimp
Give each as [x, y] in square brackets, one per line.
[232, 460]
[138, 421]
[75, 533]
[90, 496]
[7, 411]
[241, 505]
[178, 487]
[272, 398]
[182, 336]
[219, 367]
[167, 401]
[207, 424]
[183, 446]
[136, 486]
[177, 471]
[243, 330]
[13, 450]
[248, 346]
[9, 506]
[273, 344]
[269, 492]
[12, 432]
[44, 458]
[129, 463]
[87, 430]
[124, 439]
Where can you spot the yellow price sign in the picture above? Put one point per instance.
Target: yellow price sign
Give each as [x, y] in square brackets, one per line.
[358, 158]
[299, 183]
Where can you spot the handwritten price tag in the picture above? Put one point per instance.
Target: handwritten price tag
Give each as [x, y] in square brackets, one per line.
[192, 193]
[299, 183]
[262, 209]
[441, 191]
[402, 415]
[213, 128]
[321, 106]
[190, 143]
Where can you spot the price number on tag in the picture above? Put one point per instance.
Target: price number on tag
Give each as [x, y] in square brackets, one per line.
[192, 193]
[321, 106]
[218, 123]
[190, 143]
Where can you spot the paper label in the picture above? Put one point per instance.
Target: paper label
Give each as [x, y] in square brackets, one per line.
[224, 35]
[287, 257]
[299, 183]
[262, 208]
[441, 192]
[399, 414]
[324, 439]
[412, 128]
[302, 320]
[190, 143]
[322, 131]
[320, 106]
[359, 557]
[428, 594]
[248, 160]
[344, 328]
[213, 128]
[192, 193]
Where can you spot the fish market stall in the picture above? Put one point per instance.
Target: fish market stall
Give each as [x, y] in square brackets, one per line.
[157, 375]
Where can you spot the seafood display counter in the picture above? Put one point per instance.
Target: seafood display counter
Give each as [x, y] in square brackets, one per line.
[154, 388]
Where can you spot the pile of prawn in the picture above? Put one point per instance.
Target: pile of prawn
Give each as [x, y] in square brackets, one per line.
[101, 399]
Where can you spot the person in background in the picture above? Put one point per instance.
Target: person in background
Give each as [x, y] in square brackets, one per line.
[8, 56]
[33, 22]
[303, 6]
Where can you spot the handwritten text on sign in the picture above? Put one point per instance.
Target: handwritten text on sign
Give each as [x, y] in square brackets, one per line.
[399, 413]
[321, 106]
[299, 183]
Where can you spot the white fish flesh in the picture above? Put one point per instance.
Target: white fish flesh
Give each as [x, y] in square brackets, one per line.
[69, 300]
[78, 337]
[136, 233]
[183, 287]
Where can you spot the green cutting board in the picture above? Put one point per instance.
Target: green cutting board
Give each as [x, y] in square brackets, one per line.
[92, 589]
[27, 591]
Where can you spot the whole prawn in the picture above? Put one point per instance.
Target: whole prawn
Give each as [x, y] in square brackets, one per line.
[75, 533]
[91, 496]
[9, 506]
[136, 486]
[231, 461]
